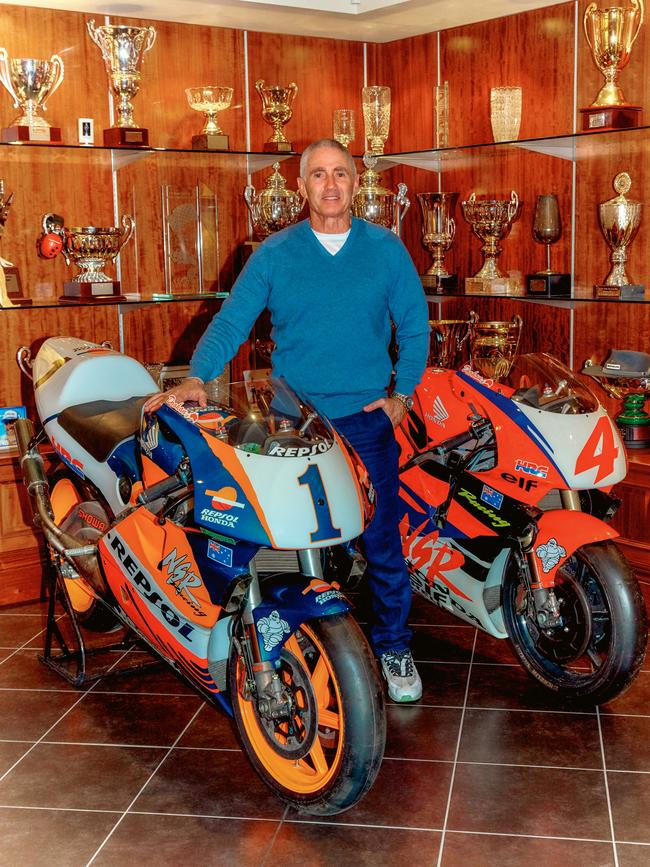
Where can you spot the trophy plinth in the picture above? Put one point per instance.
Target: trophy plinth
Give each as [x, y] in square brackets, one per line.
[87, 292]
[11, 134]
[492, 286]
[549, 285]
[626, 292]
[440, 285]
[625, 375]
[126, 137]
[610, 117]
[210, 141]
[278, 147]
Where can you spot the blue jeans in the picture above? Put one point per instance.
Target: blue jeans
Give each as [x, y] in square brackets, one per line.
[371, 435]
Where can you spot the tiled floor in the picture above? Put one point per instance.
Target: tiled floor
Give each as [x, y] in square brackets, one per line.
[486, 770]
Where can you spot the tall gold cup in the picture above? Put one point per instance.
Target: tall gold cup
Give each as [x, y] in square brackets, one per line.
[277, 111]
[494, 346]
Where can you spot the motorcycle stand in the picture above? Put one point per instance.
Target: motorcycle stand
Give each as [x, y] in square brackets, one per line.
[70, 661]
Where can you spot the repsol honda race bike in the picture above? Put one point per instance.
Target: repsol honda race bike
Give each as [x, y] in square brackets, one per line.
[153, 522]
[505, 501]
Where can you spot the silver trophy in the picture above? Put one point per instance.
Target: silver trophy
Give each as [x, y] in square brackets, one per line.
[30, 83]
[275, 207]
[438, 232]
[375, 203]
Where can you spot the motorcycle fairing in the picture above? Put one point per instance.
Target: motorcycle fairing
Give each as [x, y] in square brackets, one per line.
[560, 533]
[289, 600]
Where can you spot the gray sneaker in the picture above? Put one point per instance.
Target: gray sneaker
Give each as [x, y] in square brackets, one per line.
[401, 675]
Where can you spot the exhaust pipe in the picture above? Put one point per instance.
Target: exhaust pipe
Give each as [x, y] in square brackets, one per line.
[82, 557]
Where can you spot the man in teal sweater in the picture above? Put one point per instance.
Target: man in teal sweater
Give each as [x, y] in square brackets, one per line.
[333, 284]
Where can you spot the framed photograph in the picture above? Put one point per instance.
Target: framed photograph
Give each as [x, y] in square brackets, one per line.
[9, 414]
[86, 127]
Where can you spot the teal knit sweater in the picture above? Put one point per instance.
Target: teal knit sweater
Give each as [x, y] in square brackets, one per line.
[331, 316]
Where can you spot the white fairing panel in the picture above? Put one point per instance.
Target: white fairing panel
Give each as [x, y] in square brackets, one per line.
[276, 482]
[568, 437]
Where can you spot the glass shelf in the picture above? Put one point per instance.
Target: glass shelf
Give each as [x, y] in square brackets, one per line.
[569, 303]
[130, 300]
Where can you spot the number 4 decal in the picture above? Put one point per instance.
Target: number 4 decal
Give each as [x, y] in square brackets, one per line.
[600, 451]
[324, 527]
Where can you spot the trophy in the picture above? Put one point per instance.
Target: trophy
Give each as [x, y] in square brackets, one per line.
[90, 248]
[438, 231]
[30, 84]
[491, 221]
[441, 115]
[610, 34]
[547, 229]
[277, 111]
[505, 113]
[619, 222]
[494, 345]
[273, 208]
[375, 203]
[448, 339]
[343, 126]
[210, 99]
[122, 48]
[626, 375]
[376, 116]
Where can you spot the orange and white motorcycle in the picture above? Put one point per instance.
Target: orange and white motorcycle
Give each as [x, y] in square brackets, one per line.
[504, 489]
[154, 522]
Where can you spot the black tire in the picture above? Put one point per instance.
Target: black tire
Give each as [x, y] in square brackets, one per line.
[89, 611]
[314, 766]
[599, 650]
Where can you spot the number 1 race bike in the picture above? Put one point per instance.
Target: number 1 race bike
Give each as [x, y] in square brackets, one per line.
[153, 522]
[504, 502]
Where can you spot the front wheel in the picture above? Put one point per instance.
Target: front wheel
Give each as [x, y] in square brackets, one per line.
[597, 650]
[324, 755]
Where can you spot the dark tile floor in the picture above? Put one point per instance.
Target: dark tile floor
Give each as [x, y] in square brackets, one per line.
[486, 770]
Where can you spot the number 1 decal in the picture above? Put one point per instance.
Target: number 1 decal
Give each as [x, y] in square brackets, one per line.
[324, 527]
[599, 451]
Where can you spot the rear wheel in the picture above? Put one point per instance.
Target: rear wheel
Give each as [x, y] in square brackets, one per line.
[597, 650]
[65, 495]
[324, 754]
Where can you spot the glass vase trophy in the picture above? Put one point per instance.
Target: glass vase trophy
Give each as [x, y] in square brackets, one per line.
[376, 116]
[123, 48]
[438, 232]
[619, 220]
[505, 113]
[343, 130]
[625, 375]
[610, 34]
[30, 84]
[547, 229]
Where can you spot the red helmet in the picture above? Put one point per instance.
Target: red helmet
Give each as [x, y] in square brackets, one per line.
[49, 245]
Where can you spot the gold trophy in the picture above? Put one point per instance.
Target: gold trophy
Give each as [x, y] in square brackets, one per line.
[122, 48]
[491, 221]
[375, 203]
[547, 229]
[210, 99]
[625, 375]
[277, 111]
[619, 222]
[448, 339]
[494, 346]
[611, 33]
[438, 232]
[30, 84]
[10, 291]
[273, 208]
[90, 248]
[376, 116]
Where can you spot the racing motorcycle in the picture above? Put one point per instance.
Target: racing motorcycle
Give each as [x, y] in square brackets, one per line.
[153, 521]
[505, 498]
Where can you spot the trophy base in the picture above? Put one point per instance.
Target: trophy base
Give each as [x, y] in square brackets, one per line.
[627, 292]
[492, 286]
[210, 142]
[14, 289]
[635, 436]
[549, 285]
[440, 285]
[126, 137]
[91, 292]
[278, 147]
[610, 117]
[49, 135]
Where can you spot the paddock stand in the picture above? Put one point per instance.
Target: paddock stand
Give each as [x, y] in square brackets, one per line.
[70, 656]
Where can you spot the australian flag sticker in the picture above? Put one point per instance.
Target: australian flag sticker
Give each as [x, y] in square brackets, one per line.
[491, 497]
[219, 553]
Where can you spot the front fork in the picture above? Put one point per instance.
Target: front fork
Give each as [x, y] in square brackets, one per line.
[263, 679]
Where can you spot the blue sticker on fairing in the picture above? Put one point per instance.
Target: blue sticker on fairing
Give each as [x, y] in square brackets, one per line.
[219, 553]
[491, 497]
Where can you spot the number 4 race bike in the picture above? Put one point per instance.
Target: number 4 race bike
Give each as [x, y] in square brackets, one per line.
[154, 521]
[504, 503]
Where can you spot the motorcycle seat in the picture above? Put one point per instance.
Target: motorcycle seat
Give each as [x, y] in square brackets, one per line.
[99, 426]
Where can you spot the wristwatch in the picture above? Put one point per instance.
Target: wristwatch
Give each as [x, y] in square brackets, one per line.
[404, 399]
